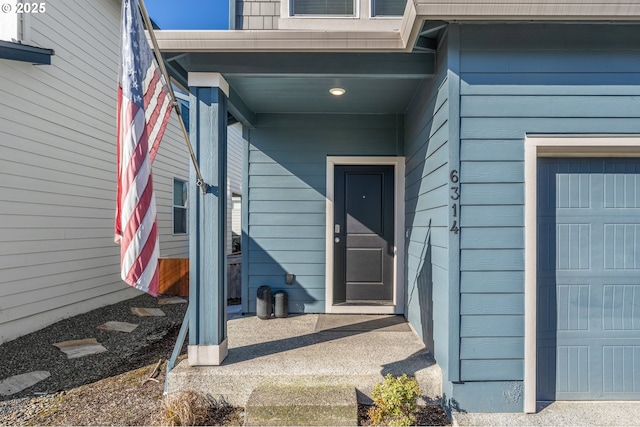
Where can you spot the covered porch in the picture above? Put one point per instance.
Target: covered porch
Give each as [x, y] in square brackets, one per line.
[313, 350]
[297, 130]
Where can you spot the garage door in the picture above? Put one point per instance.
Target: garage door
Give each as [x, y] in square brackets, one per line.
[588, 335]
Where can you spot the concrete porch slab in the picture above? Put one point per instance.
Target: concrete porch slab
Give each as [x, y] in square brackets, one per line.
[302, 406]
[290, 351]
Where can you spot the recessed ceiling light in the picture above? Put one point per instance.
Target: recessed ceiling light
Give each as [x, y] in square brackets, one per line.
[337, 91]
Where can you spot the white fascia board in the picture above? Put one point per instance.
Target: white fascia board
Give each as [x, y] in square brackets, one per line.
[278, 40]
[403, 39]
[580, 10]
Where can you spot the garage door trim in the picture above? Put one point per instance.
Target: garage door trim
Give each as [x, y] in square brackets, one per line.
[554, 146]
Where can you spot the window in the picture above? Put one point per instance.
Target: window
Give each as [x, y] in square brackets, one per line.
[388, 7]
[179, 206]
[323, 7]
[9, 24]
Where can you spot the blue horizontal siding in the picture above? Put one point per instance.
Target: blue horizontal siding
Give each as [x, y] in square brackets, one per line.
[287, 194]
[533, 84]
[286, 257]
[285, 243]
[492, 194]
[498, 128]
[299, 181]
[496, 369]
[286, 231]
[492, 260]
[287, 206]
[518, 80]
[492, 216]
[278, 219]
[492, 326]
[418, 234]
[491, 150]
[488, 172]
[492, 348]
[485, 303]
[425, 177]
[304, 282]
[295, 169]
[545, 61]
[491, 281]
[549, 106]
[429, 200]
[291, 194]
[492, 238]
[274, 268]
[427, 135]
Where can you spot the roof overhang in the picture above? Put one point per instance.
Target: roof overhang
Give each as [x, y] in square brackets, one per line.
[416, 12]
[25, 53]
[290, 71]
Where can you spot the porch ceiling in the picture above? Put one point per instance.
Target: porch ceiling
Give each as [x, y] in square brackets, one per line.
[294, 82]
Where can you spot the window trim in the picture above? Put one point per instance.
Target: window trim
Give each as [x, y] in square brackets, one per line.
[355, 15]
[174, 206]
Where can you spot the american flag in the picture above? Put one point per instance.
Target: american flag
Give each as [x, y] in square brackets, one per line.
[144, 107]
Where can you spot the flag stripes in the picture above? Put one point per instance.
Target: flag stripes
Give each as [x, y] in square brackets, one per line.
[144, 108]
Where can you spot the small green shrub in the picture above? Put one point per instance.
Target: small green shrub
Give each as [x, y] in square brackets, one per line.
[395, 401]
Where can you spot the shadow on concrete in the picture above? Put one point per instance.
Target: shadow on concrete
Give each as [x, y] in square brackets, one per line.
[253, 351]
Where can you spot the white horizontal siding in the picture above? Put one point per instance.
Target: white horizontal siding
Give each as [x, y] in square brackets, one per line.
[57, 172]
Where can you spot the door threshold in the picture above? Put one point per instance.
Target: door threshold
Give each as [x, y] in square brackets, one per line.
[363, 308]
[363, 303]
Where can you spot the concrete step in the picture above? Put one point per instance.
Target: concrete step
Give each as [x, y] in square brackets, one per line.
[299, 405]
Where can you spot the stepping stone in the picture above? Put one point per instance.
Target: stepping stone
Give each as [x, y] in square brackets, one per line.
[302, 406]
[79, 348]
[117, 326]
[17, 383]
[171, 300]
[147, 312]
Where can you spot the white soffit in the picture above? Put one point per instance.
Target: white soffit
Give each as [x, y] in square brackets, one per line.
[402, 40]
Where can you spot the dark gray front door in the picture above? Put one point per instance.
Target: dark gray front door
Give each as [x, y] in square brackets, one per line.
[363, 235]
[588, 279]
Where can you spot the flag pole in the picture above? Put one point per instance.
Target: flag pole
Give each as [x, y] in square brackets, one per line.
[156, 51]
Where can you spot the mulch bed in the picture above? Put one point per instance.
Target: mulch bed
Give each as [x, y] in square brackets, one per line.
[429, 415]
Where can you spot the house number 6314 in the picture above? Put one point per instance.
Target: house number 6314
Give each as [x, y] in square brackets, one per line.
[455, 197]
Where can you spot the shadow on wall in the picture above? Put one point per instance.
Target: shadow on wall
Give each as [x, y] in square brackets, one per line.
[287, 197]
[264, 270]
[424, 284]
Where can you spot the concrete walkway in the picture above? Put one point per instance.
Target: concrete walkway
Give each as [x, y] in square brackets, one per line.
[561, 414]
[312, 350]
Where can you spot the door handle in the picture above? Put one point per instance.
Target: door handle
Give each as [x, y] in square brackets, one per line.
[337, 240]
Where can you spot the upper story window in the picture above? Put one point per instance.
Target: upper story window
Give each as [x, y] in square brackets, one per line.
[179, 206]
[347, 8]
[388, 7]
[9, 25]
[323, 7]
[13, 28]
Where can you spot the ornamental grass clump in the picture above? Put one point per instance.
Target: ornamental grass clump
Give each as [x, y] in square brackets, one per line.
[395, 401]
[185, 408]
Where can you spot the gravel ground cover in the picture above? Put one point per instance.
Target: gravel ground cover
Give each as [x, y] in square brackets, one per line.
[123, 386]
[136, 354]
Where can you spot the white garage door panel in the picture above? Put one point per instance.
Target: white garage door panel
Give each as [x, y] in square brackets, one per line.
[588, 279]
